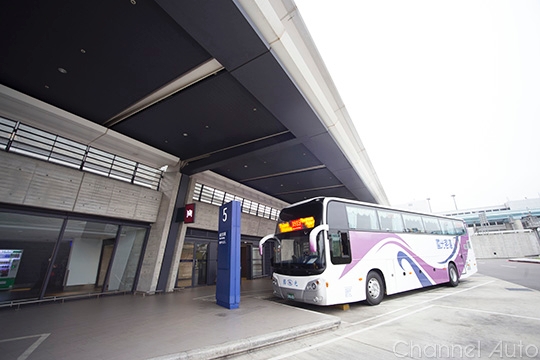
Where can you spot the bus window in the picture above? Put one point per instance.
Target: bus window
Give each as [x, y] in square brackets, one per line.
[447, 227]
[340, 247]
[413, 223]
[337, 218]
[460, 228]
[390, 221]
[362, 218]
[432, 225]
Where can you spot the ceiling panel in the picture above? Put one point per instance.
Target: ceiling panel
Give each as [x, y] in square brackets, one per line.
[113, 53]
[283, 159]
[249, 122]
[313, 179]
[341, 192]
[212, 115]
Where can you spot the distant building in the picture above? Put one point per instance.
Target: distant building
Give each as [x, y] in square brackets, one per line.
[513, 215]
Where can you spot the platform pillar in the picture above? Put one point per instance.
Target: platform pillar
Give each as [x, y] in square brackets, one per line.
[228, 267]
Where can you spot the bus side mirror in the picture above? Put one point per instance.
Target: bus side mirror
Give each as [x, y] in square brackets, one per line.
[263, 240]
[313, 237]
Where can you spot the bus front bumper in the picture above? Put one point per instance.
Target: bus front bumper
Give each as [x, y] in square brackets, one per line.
[313, 292]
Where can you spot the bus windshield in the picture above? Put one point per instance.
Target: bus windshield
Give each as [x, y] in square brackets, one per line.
[293, 255]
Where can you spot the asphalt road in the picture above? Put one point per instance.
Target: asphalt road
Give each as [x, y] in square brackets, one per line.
[524, 274]
[482, 318]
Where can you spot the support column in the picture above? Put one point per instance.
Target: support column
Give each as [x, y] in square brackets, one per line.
[159, 232]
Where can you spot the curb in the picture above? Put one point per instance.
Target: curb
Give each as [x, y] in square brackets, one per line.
[251, 343]
[525, 260]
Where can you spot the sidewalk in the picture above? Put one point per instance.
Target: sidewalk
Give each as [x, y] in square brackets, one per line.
[186, 324]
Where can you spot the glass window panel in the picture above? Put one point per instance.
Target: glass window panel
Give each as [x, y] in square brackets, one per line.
[460, 228]
[246, 206]
[197, 192]
[257, 264]
[447, 227]
[126, 258]
[253, 208]
[83, 258]
[228, 198]
[362, 218]
[431, 225]
[390, 221]
[218, 197]
[26, 246]
[239, 199]
[207, 193]
[413, 223]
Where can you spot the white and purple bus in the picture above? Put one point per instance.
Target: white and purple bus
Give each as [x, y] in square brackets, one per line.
[336, 251]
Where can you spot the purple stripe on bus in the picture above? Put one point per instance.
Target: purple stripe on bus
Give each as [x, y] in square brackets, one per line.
[362, 243]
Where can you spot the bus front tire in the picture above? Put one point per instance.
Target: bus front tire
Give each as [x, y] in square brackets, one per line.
[374, 288]
[453, 275]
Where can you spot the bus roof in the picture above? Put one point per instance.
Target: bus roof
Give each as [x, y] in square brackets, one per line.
[326, 200]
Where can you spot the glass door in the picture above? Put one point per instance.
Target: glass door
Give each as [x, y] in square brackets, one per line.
[200, 265]
[185, 268]
[192, 269]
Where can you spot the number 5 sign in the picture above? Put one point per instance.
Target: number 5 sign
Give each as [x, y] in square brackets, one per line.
[228, 269]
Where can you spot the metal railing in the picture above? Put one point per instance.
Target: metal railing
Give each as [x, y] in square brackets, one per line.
[29, 141]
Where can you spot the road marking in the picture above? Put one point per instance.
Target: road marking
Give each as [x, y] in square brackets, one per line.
[489, 312]
[31, 348]
[508, 266]
[422, 302]
[327, 342]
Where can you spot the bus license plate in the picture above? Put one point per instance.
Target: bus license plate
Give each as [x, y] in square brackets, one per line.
[290, 296]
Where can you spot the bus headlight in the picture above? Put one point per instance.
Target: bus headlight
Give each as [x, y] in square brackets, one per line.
[274, 281]
[312, 285]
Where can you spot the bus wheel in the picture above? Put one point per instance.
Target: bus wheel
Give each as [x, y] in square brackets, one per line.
[453, 275]
[374, 288]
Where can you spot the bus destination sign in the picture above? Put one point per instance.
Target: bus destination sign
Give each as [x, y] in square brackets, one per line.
[298, 224]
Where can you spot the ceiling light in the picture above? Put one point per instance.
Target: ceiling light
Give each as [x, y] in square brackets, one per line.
[83, 51]
[62, 70]
[185, 134]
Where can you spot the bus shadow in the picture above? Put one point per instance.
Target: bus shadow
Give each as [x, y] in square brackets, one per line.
[336, 310]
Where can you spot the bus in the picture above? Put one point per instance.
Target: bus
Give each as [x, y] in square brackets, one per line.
[331, 251]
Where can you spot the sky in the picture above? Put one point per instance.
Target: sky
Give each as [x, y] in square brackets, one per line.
[445, 95]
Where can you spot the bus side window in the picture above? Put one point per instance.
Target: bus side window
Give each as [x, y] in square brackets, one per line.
[432, 225]
[340, 247]
[460, 228]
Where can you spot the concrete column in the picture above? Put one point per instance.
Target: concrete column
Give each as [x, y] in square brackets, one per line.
[159, 232]
[171, 282]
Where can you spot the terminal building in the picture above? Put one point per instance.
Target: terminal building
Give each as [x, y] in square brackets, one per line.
[504, 231]
[512, 215]
[125, 125]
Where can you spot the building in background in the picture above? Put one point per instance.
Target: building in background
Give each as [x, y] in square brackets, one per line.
[504, 231]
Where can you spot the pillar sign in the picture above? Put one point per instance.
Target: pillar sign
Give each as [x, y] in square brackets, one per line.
[228, 271]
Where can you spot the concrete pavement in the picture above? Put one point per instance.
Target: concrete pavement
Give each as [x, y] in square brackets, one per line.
[186, 324]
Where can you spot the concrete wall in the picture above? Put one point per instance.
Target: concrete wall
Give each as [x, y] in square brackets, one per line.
[207, 215]
[207, 218]
[505, 244]
[32, 182]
